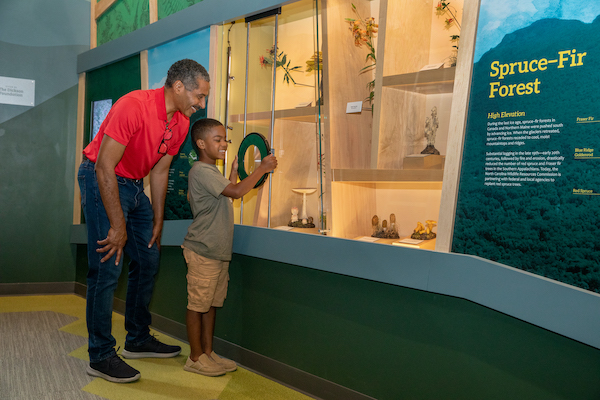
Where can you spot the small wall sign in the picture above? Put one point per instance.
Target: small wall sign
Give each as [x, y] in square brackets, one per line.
[20, 92]
[354, 107]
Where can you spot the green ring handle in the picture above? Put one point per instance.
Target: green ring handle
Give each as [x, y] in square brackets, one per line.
[261, 143]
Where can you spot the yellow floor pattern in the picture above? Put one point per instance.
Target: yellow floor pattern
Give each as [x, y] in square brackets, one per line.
[161, 378]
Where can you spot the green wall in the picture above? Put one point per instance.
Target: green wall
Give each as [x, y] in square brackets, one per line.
[395, 343]
[382, 340]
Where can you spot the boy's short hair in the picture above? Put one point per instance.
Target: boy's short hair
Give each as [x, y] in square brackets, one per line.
[200, 129]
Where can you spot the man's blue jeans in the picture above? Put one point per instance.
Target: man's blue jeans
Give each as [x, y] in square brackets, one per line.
[102, 277]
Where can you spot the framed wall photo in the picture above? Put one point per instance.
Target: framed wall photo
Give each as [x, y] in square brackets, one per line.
[99, 109]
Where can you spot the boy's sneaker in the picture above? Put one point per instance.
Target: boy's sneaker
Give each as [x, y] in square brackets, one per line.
[151, 349]
[113, 369]
[204, 366]
[227, 365]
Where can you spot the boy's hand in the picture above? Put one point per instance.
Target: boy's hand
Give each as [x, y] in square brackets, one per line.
[269, 163]
[233, 175]
[238, 189]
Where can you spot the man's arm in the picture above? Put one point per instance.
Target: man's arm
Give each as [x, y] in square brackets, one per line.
[109, 156]
[159, 179]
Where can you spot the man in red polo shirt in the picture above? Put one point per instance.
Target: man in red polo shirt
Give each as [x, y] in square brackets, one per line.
[140, 135]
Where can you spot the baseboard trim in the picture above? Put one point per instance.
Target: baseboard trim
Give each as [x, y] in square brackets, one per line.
[310, 385]
[15, 289]
[80, 289]
[294, 378]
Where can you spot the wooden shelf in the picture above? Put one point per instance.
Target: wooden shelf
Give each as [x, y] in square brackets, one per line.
[285, 228]
[302, 114]
[419, 176]
[434, 81]
[425, 244]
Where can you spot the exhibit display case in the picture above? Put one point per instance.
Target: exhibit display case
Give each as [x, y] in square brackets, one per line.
[385, 157]
[354, 99]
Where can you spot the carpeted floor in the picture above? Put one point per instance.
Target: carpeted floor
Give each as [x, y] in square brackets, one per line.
[43, 355]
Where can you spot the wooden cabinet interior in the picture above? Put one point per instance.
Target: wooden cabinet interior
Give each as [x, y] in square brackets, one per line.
[368, 175]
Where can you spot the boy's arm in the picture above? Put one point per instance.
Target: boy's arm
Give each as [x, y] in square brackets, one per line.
[237, 190]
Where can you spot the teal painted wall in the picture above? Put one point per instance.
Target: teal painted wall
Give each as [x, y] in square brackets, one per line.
[382, 340]
[37, 176]
[37, 144]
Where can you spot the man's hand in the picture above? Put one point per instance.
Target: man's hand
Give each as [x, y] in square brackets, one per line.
[114, 243]
[156, 234]
[159, 180]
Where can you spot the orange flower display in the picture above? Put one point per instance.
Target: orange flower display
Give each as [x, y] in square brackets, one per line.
[363, 31]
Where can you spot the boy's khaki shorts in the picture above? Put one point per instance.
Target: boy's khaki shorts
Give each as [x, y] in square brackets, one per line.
[207, 281]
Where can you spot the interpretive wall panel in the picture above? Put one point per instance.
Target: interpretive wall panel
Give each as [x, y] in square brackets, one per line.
[529, 188]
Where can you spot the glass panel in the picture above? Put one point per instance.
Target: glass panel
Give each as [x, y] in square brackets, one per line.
[293, 134]
[249, 103]
[390, 162]
[234, 64]
[416, 99]
[296, 180]
[259, 104]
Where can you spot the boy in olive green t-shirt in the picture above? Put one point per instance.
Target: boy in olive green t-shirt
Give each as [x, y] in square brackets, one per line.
[208, 244]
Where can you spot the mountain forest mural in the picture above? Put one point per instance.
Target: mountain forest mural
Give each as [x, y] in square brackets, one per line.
[529, 194]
